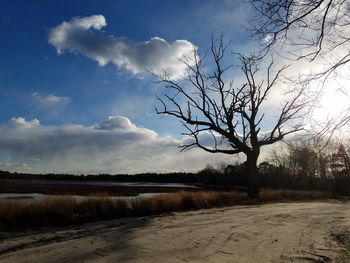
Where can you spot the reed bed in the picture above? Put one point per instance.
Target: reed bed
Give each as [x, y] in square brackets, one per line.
[60, 211]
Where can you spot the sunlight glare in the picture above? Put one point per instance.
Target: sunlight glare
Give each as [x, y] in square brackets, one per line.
[332, 104]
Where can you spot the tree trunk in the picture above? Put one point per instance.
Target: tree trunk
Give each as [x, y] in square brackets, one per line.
[252, 173]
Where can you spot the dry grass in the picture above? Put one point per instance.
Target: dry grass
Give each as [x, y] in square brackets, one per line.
[293, 195]
[21, 214]
[185, 201]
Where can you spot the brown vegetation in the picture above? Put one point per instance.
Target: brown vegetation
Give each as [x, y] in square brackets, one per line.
[292, 195]
[21, 214]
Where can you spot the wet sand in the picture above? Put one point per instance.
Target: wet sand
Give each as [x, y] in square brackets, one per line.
[281, 232]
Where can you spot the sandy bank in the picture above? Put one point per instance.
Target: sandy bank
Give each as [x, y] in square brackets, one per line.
[284, 232]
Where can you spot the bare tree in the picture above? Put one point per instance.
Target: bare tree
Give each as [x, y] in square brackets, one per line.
[316, 27]
[311, 30]
[341, 161]
[303, 159]
[206, 104]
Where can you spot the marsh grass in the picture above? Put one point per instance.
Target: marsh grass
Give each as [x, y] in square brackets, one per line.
[293, 195]
[60, 211]
[185, 201]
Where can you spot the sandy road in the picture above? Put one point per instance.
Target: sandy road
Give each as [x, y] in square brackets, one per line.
[283, 232]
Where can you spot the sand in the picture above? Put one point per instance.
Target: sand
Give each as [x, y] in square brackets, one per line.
[281, 232]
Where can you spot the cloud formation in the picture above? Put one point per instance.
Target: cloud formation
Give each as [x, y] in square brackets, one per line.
[115, 145]
[51, 100]
[80, 36]
[23, 123]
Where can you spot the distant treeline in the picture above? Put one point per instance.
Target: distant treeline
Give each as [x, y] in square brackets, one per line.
[274, 177]
[142, 177]
[225, 178]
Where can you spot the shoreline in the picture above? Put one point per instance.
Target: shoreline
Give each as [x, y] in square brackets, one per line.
[287, 232]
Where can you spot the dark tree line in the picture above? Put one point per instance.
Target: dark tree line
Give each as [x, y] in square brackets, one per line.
[304, 159]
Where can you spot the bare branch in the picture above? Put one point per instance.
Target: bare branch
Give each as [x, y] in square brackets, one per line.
[230, 115]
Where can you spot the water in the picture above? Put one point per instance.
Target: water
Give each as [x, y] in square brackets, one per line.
[116, 183]
[5, 197]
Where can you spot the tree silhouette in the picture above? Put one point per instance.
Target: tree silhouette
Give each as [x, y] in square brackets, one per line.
[317, 29]
[303, 160]
[341, 161]
[221, 117]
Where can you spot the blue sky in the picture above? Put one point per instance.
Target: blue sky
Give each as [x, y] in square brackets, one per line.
[30, 64]
[57, 95]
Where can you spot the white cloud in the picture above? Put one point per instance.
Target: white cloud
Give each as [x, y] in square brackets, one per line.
[114, 146]
[23, 123]
[50, 100]
[117, 122]
[79, 36]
